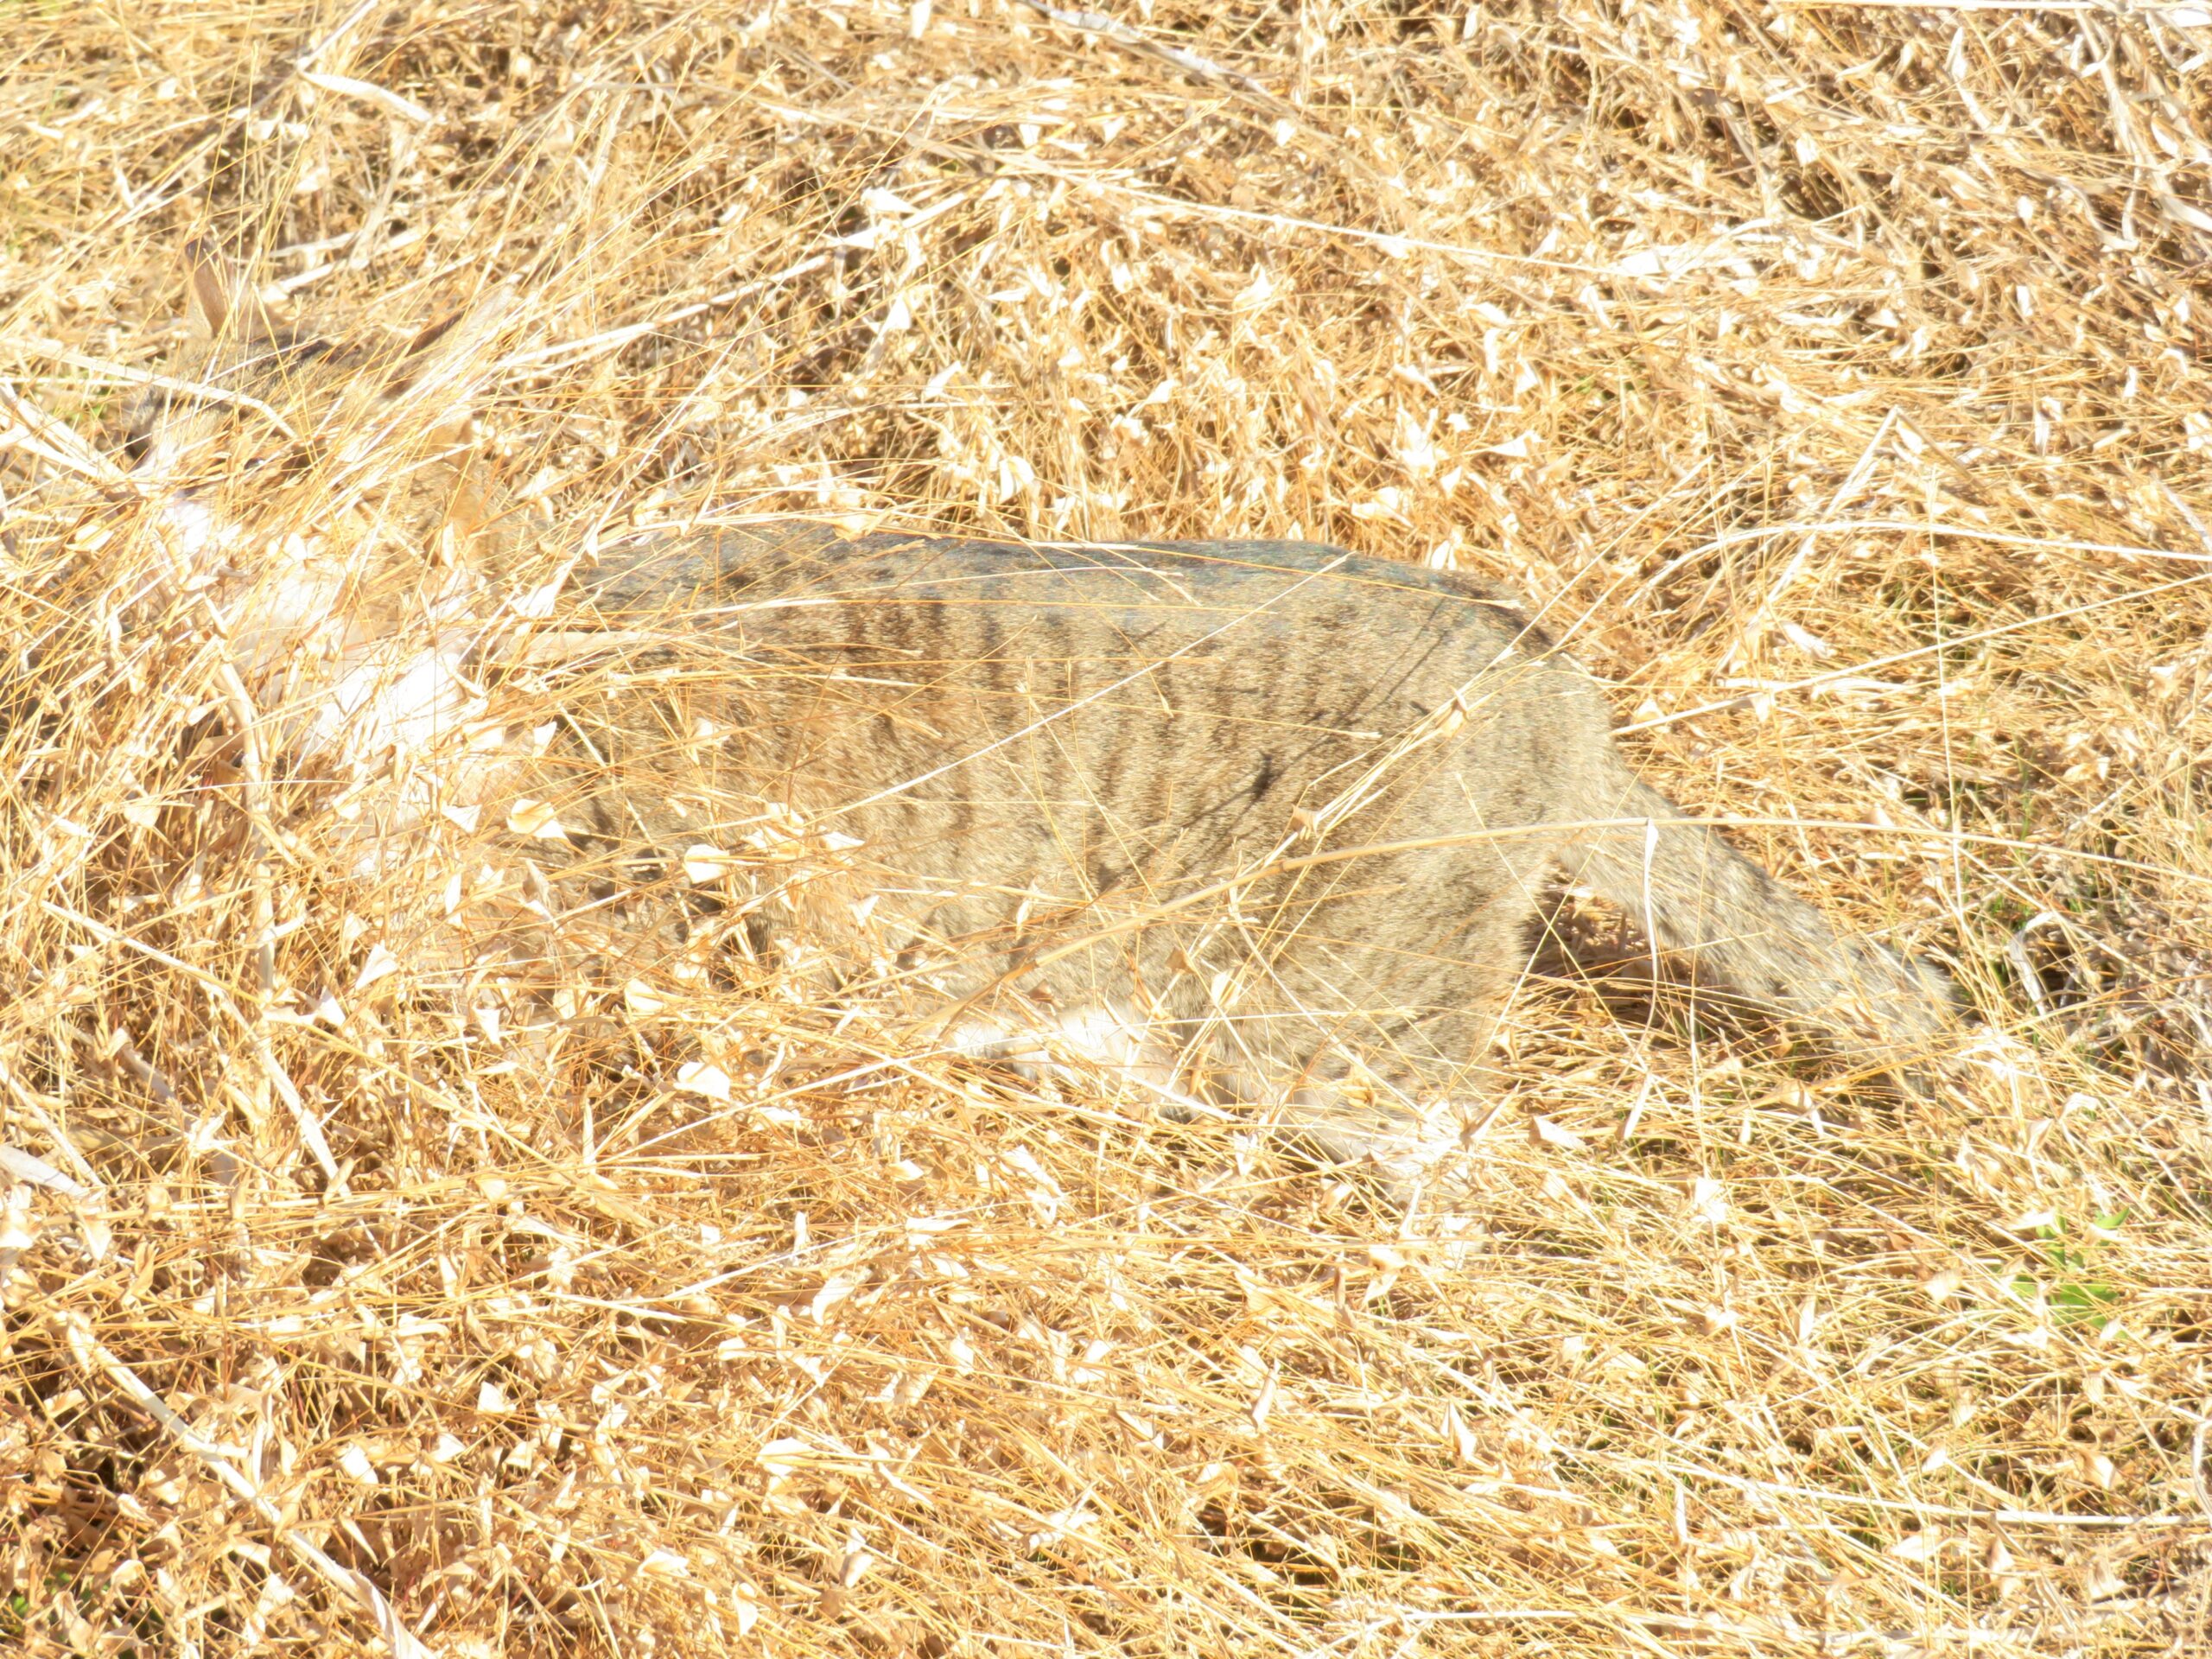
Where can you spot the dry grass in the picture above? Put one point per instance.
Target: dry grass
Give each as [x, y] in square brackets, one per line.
[1831, 374]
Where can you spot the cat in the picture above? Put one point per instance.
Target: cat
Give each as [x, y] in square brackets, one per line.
[1253, 823]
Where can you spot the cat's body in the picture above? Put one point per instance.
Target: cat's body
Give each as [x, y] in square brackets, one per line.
[1258, 820]
[1250, 821]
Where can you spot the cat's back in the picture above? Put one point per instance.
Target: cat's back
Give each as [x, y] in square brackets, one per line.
[1249, 616]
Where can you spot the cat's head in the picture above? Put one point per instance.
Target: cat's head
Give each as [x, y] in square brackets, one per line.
[254, 415]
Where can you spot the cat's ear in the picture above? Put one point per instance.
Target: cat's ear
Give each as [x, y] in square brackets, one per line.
[439, 375]
[221, 301]
[430, 384]
[452, 346]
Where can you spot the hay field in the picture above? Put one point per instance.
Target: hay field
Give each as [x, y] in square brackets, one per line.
[1832, 376]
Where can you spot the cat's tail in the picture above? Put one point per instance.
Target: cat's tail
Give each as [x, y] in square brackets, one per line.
[1743, 932]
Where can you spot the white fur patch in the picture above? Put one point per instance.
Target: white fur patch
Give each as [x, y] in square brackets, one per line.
[358, 683]
[1105, 1037]
[192, 530]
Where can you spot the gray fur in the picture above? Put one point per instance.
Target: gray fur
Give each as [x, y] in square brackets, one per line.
[1106, 739]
